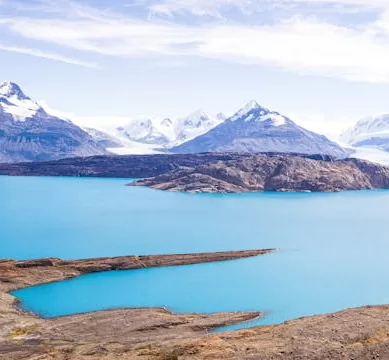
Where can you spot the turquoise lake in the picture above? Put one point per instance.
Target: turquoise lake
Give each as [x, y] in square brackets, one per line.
[333, 248]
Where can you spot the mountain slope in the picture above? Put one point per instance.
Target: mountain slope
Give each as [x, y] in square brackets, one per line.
[104, 139]
[257, 129]
[28, 132]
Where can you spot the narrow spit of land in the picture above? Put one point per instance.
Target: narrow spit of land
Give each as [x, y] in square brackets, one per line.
[157, 334]
[26, 335]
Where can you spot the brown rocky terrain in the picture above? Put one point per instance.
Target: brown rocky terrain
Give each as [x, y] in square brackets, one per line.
[219, 172]
[123, 166]
[157, 334]
[120, 166]
[273, 172]
[24, 335]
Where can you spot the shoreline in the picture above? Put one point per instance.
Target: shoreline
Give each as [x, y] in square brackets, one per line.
[159, 334]
[18, 301]
[20, 325]
[220, 172]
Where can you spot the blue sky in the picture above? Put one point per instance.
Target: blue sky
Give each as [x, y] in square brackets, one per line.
[325, 63]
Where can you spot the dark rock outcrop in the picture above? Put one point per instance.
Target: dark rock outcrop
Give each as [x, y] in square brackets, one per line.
[268, 172]
[123, 166]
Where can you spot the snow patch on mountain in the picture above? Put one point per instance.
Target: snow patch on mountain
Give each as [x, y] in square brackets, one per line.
[195, 124]
[166, 132]
[10, 89]
[135, 148]
[14, 102]
[252, 111]
[371, 154]
[246, 110]
[370, 132]
[276, 119]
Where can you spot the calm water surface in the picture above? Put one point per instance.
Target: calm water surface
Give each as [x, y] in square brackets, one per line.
[333, 247]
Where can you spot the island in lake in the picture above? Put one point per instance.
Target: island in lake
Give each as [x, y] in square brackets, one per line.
[273, 172]
[220, 172]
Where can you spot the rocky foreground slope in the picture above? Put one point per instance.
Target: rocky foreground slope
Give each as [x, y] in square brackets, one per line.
[96, 335]
[273, 172]
[157, 334]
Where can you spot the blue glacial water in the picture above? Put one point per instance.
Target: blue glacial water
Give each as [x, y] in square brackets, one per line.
[333, 253]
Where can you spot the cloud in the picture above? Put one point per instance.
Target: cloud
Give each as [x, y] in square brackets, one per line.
[47, 55]
[198, 7]
[216, 8]
[303, 44]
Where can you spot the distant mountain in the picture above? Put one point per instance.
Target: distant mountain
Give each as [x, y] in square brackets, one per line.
[28, 132]
[196, 124]
[147, 130]
[167, 132]
[256, 129]
[371, 132]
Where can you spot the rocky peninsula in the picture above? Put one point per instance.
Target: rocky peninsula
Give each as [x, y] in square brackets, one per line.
[157, 334]
[273, 172]
[25, 335]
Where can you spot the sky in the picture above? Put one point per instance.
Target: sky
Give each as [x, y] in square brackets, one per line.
[323, 63]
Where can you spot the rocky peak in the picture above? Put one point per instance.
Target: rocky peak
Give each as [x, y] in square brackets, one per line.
[9, 89]
[251, 107]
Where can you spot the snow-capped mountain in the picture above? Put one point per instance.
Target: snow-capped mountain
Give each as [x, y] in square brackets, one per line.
[196, 124]
[371, 132]
[28, 132]
[167, 132]
[147, 130]
[256, 129]
[14, 102]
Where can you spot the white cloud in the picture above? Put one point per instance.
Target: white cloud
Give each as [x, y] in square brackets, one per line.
[198, 7]
[301, 44]
[47, 55]
[216, 7]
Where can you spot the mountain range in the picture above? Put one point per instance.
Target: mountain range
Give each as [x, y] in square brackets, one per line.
[369, 132]
[255, 129]
[30, 132]
[167, 132]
